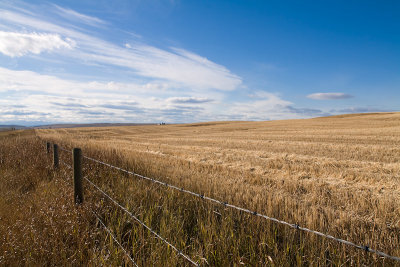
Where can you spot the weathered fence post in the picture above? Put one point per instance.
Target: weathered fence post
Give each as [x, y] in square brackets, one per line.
[78, 190]
[48, 147]
[55, 156]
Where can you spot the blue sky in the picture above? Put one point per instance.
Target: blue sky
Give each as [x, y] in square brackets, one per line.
[186, 61]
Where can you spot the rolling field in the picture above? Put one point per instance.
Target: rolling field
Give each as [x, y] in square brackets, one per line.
[337, 175]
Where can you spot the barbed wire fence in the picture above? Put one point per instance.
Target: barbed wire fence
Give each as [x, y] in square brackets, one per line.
[116, 203]
[142, 223]
[101, 221]
[115, 239]
[225, 204]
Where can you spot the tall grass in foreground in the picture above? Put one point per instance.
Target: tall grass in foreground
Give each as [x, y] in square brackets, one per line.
[40, 225]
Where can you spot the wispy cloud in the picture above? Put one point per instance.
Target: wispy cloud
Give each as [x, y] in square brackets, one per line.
[189, 100]
[69, 105]
[78, 17]
[91, 101]
[161, 84]
[22, 112]
[16, 44]
[94, 101]
[360, 110]
[175, 65]
[11, 80]
[262, 106]
[329, 96]
[121, 106]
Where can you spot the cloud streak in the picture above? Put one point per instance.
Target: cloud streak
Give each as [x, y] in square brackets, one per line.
[189, 100]
[78, 17]
[52, 99]
[360, 110]
[14, 44]
[166, 84]
[329, 96]
[175, 65]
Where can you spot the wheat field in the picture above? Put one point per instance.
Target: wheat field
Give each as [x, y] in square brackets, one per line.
[339, 175]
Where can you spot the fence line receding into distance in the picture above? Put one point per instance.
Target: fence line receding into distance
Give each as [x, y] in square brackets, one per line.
[78, 197]
[201, 196]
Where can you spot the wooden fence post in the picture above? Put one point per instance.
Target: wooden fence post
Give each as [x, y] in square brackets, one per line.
[78, 190]
[48, 147]
[55, 156]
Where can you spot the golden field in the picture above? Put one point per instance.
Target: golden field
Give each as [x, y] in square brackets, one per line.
[339, 175]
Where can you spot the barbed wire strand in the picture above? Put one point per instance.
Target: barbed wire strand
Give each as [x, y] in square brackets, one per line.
[66, 164]
[105, 227]
[142, 223]
[62, 149]
[295, 226]
[115, 239]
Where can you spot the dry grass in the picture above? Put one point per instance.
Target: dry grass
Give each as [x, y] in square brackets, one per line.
[339, 175]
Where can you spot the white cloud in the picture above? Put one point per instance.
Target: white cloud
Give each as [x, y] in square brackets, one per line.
[49, 98]
[265, 106]
[33, 82]
[175, 65]
[171, 85]
[329, 96]
[361, 110]
[45, 97]
[189, 100]
[16, 44]
[148, 61]
[79, 17]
